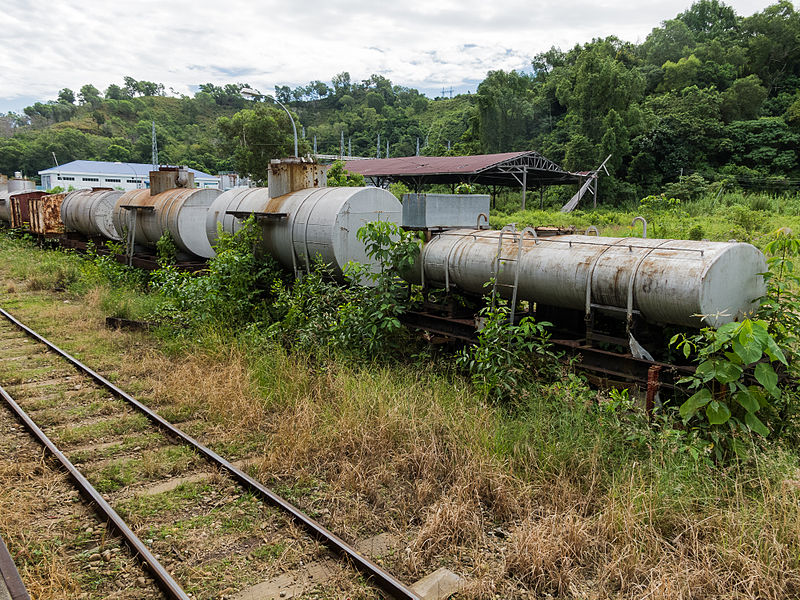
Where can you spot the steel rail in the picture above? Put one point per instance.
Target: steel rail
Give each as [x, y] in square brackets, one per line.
[381, 578]
[164, 579]
[10, 582]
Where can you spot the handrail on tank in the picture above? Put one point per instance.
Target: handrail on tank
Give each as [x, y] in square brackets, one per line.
[592, 228]
[644, 225]
[485, 220]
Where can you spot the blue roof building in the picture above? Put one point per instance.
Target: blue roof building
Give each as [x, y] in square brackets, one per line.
[119, 175]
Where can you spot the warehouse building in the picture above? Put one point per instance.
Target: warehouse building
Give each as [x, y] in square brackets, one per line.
[118, 175]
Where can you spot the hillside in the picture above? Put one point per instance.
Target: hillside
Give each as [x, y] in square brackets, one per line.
[710, 93]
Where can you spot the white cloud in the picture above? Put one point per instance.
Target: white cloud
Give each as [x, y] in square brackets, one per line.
[47, 45]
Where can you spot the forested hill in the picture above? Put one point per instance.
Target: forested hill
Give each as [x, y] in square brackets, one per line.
[709, 93]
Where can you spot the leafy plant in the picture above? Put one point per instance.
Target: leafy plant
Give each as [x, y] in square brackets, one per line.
[506, 357]
[166, 249]
[233, 288]
[726, 405]
[115, 272]
[393, 248]
[781, 304]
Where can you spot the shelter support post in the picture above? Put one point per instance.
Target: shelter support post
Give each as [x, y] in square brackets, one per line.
[524, 185]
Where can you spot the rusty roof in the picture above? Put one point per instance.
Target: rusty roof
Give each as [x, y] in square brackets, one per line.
[489, 169]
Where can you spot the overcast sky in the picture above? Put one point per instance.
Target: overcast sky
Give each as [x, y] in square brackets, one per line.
[46, 45]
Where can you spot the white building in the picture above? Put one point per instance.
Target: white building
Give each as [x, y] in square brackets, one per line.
[118, 175]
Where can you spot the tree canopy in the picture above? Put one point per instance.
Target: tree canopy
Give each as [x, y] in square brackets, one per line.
[708, 92]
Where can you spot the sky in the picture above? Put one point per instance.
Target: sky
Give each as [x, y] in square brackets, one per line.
[431, 45]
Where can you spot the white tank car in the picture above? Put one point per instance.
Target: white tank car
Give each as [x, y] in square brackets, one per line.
[679, 282]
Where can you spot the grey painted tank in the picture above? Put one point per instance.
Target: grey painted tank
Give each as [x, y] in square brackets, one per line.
[91, 212]
[13, 186]
[181, 211]
[324, 222]
[679, 282]
[242, 199]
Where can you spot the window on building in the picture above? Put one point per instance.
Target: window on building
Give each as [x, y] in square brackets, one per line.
[133, 181]
[90, 179]
[65, 178]
[109, 180]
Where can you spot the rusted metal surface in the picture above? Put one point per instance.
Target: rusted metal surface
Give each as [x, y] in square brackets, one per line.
[505, 169]
[167, 178]
[182, 212]
[148, 262]
[45, 213]
[428, 165]
[653, 385]
[20, 208]
[294, 174]
[603, 366]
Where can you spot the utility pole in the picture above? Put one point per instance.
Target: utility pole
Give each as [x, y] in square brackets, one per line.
[315, 143]
[155, 149]
[55, 160]
[304, 132]
[378, 155]
[349, 146]
[417, 145]
[387, 148]
[341, 144]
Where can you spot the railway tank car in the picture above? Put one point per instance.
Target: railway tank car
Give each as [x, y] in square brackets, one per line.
[238, 200]
[301, 219]
[172, 204]
[17, 185]
[91, 212]
[675, 282]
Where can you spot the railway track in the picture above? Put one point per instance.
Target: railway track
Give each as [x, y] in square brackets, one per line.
[193, 521]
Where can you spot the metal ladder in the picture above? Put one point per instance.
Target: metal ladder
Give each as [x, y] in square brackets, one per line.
[499, 259]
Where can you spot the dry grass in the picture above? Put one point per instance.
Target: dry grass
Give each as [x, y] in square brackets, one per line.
[542, 511]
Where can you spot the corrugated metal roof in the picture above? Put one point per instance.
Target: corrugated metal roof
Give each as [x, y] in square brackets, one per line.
[428, 165]
[506, 169]
[100, 167]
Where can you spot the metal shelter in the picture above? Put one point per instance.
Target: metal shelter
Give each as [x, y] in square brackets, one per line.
[528, 170]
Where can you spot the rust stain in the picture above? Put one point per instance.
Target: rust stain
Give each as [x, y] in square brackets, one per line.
[20, 208]
[45, 214]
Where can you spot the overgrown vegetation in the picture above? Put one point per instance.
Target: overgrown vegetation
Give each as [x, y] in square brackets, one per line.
[493, 439]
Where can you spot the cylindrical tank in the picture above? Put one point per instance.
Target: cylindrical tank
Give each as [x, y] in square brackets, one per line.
[181, 211]
[91, 212]
[241, 199]
[324, 222]
[678, 282]
[13, 186]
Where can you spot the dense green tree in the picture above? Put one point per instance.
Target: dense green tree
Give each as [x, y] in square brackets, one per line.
[255, 136]
[670, 42]
[67, 96]
[89, 95]
[507, 110]
[115, 92]
[743, 99]
[708, 19]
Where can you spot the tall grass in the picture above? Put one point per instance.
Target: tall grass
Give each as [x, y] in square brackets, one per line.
[570, 493]
[713, 216]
